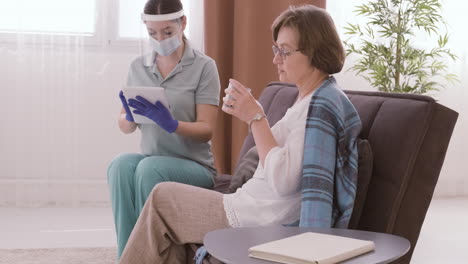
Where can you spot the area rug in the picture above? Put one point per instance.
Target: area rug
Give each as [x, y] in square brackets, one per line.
[59, 256]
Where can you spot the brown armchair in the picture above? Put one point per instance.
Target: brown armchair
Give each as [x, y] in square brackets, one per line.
[409, 136]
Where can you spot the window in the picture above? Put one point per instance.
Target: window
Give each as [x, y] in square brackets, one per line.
[94, 23]
[130, 25]
[69, 17]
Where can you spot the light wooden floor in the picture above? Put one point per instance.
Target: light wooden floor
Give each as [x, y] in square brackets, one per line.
[443, 239]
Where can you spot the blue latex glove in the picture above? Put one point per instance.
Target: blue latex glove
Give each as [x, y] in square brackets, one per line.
[156, 112]
[128, 114]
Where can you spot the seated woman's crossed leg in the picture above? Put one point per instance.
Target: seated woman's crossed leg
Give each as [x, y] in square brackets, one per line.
[184, 214]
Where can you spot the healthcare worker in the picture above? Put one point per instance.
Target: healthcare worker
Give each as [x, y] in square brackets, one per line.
[177, 146]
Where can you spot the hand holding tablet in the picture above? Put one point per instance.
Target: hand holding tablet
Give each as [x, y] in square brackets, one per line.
[152, 95]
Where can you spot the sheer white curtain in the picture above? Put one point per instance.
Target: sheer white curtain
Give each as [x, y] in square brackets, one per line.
[61, 68]
[453, 180]
[195, 22]
[129, 20]
[48, 107]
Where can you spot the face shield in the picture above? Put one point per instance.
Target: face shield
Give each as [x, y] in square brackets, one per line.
[160, 35]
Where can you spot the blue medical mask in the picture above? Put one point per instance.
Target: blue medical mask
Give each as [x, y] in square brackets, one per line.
[167, 46]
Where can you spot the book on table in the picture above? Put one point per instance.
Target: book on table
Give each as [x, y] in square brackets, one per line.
[311, 248]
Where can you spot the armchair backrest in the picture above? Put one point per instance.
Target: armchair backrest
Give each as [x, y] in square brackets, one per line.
[409, 136]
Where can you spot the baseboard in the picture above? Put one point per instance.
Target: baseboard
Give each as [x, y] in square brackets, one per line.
[54, 193]
[451, 189]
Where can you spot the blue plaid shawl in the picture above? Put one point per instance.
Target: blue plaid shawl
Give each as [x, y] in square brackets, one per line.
[329, 169]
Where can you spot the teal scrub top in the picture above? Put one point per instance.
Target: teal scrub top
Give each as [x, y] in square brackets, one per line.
[193, 81]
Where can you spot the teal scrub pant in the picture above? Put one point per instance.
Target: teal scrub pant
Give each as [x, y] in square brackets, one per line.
[131, 178]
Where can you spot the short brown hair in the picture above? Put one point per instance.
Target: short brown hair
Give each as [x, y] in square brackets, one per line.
[318, 38]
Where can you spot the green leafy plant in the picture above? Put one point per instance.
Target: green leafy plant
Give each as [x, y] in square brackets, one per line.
[386, 57]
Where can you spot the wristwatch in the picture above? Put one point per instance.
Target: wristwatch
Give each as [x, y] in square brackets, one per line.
[257, 117]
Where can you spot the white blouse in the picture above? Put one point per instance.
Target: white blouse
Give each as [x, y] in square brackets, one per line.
[273, 195]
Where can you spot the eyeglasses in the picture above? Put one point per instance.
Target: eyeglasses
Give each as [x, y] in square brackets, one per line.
[282, 52]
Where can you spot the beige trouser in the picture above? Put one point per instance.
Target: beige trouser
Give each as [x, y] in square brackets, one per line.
[174, 214]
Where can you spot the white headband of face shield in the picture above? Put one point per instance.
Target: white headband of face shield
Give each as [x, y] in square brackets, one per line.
[162, 17]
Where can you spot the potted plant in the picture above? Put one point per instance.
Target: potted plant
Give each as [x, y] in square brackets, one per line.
[386, 56]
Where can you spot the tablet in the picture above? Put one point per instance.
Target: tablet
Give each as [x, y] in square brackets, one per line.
[151, 94]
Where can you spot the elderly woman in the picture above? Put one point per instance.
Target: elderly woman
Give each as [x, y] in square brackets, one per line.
[307, 51]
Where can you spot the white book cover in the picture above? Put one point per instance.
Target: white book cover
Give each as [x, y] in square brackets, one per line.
[307, 248]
